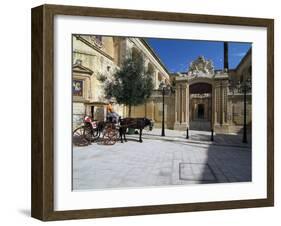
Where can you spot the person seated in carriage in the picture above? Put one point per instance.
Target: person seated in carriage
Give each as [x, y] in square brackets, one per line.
[112, 116]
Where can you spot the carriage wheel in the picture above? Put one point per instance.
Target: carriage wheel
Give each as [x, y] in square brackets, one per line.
[78, 137]
[91, 134]
[95, 134]
[110, 136]
[88, 133]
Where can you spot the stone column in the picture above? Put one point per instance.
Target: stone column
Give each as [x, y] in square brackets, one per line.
[186, 109]
[176, 105]
[221, 102]
[183, 99]
[225, 102]
[181, 104]
[222, 88]
[156, 78]
[216, 103]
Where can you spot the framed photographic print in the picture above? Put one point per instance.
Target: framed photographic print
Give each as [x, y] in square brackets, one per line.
[141, 112]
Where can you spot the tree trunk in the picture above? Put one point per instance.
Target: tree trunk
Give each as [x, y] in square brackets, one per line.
[130, 107]
[145, 110]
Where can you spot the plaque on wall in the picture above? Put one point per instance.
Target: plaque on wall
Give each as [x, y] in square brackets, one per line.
[77, 88]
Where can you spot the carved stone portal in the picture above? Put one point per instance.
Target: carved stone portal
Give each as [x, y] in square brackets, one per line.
[201, 98]
[201, 66]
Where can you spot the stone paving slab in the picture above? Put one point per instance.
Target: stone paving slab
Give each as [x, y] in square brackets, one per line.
[156, 162]
[195, 171]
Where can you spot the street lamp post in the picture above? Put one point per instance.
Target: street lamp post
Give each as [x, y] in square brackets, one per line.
[246, 86]
[245, 117]
[164, 89]
[163, 114]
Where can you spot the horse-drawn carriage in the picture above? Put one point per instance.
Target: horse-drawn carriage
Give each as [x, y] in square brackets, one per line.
[109, 131]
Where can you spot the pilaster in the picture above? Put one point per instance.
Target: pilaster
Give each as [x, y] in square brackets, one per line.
[181, 104]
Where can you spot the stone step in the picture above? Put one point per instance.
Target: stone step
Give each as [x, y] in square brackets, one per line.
[200, 125]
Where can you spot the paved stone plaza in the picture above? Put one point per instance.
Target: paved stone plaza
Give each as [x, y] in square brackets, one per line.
[162, 161]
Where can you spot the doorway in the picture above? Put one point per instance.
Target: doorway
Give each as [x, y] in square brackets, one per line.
[200, 112]
[200, 106]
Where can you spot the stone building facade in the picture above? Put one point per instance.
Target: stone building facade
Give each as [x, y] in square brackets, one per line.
[201, 98]
[95, 56]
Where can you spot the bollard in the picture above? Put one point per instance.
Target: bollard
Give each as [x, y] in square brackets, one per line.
[212, 135]
[187, 135]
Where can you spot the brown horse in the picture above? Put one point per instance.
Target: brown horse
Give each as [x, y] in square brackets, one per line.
[135, 123]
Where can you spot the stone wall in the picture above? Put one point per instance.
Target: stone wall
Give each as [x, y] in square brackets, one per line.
[236, 110]
[153, 109]
[78, 113]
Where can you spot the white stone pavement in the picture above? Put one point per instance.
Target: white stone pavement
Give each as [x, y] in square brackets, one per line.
[161, 161]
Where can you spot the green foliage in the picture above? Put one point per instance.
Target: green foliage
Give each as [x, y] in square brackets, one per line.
[132, 84]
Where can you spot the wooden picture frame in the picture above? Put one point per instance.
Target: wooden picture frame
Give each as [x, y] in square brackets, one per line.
[43, 117]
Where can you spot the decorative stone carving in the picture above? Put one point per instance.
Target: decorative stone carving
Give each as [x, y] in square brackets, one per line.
[96, 40]
[200, 95]
[79, 68]
[201, 66]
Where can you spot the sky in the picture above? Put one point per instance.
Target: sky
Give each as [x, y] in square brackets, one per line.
[178, 54]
